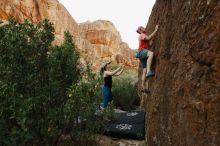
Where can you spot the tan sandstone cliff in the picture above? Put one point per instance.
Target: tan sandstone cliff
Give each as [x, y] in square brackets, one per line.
[183, 108]
[97, 40]
[103, 41]
[37, 10]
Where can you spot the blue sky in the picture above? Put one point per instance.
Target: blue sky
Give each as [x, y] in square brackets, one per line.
[125, 15]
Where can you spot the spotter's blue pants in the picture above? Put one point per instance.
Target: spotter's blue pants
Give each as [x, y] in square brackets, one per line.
[107, 96]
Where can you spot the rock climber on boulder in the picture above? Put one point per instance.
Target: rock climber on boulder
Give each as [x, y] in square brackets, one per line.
[144, 54]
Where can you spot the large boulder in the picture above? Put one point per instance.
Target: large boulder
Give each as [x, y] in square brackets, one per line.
[184, 105]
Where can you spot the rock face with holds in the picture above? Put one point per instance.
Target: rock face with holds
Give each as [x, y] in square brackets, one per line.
[184, 105]
[96, 40]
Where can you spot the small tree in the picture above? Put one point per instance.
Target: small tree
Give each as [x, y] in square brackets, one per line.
[42, 94]
[24, 82]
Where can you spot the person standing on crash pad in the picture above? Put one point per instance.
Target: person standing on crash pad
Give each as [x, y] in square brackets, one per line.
[144, 54]
[107, 76]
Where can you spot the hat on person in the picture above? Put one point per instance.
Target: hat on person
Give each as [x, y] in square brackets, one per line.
[139, 29]
[103, 67]
[104, 63]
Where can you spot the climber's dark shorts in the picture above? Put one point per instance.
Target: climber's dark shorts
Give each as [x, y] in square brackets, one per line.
[142, 55]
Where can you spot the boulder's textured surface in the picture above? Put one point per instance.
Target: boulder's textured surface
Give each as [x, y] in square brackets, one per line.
[184, 105]
[97, 40]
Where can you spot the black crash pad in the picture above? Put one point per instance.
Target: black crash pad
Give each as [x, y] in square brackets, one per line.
[136, 117]
[129, 125]
[130, 131]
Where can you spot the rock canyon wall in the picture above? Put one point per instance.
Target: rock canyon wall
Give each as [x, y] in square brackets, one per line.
[103, 41]
[96, 41]
[183, 108]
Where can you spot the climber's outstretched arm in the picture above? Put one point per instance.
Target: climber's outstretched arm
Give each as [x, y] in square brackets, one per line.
[112, 73]
[149, 37]
[119, 73]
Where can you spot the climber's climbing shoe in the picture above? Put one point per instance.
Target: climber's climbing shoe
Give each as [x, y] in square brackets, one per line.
[150, 74]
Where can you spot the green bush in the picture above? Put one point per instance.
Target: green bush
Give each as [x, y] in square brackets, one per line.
[42, 95]
[123, 90]
[84, 123]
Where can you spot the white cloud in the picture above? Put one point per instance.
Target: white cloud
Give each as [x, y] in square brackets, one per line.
[125, 15]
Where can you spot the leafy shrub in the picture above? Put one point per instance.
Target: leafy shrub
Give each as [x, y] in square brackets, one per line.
[42, 95]
[123, 90]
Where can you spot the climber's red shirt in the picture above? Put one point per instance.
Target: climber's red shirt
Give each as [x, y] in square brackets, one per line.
[143, 44]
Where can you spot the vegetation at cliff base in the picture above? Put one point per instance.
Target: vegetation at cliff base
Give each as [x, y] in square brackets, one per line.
[124, 91]
[43, 96]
